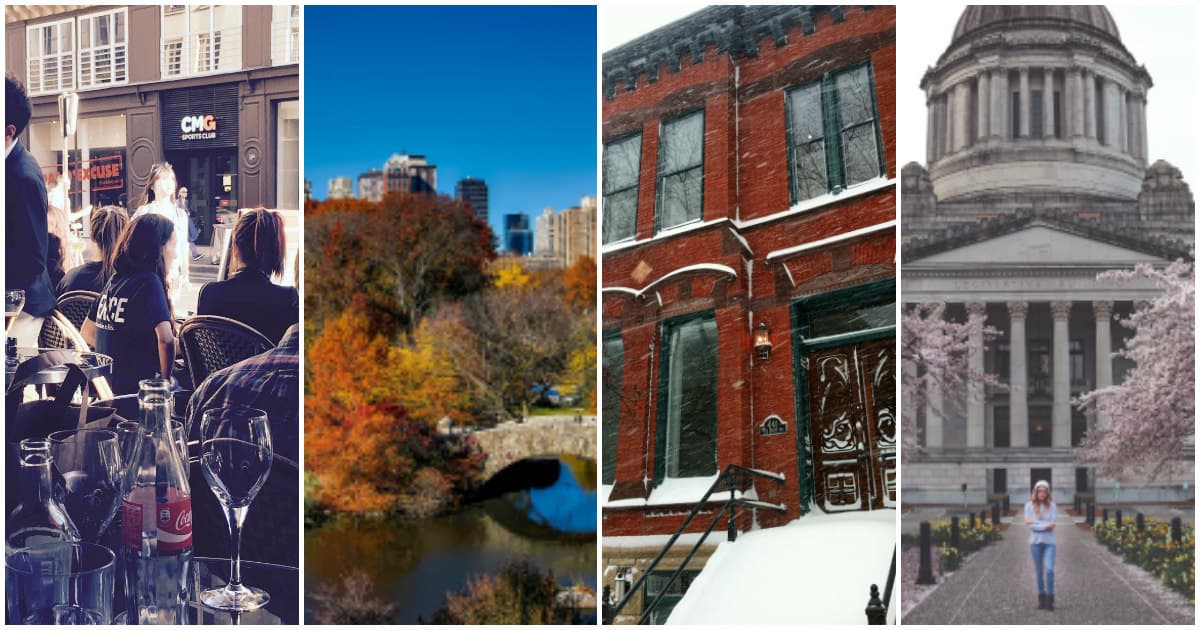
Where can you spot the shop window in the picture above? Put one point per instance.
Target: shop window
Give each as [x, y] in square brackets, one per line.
[681, 171]
[833, 133]
[613, 365]
[686, 443]
[1000, 427]
[103, 42]
[656, 582]
[201, 39]
[287, 194]
[622, 167]
[285, 34]
[1040, 427]
[51, 52]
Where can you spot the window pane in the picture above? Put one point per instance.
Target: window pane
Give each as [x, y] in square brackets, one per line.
[855, 102]
[809, 175]
[691, 432]
[843, 318]
[860, 153]
[613, 375]
[620, 215]
[682, 143]
[680, 198]
[805, 106]
[622, 161]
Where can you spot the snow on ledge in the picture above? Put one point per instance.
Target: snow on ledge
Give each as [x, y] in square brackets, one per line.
[878, 227]
[661, 234]
[696, 267]
[861, 188]
[674, 491]
[658, 541]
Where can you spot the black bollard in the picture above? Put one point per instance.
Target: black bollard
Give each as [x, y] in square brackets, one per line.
[1007, 507]
[1104, 515]
[995, 514]
[925, 572]
[876, 613]
[983, 514]
[1176, 530]
[1078, 502]
[1118, 519]
[1141, 523]
[1091, 514]
[972, 520]
[955, 539]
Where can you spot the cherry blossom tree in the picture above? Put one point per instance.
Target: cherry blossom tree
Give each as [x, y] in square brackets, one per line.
[936, 351]
[1152, 413]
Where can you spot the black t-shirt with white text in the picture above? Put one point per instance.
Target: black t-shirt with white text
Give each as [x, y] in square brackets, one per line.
[126, 313]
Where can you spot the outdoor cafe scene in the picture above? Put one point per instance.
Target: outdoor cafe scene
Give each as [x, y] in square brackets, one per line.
[152, 317]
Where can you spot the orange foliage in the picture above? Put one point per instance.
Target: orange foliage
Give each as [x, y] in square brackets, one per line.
[579, 283]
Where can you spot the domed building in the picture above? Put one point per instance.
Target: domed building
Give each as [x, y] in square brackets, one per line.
[1038, 178]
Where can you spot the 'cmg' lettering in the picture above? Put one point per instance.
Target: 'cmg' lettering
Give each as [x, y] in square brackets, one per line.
[193, 124]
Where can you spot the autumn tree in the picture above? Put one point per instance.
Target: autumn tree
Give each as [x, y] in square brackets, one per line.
[1152, 413]
[936, 352]
[579, 284]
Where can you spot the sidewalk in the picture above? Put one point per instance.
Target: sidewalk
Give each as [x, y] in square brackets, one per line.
[1092, 586]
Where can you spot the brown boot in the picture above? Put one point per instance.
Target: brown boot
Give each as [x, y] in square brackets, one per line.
[1049, 602]
[1041, 601]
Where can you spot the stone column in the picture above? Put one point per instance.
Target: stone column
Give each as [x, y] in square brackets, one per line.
[1145, 149]
[999, 118]
[1061, 416]
[1122, 120]
[930, 130]
[976, 311]
[1048, 103]
[942, 127]
[1075, 83]
[1018, 375]
[1112, 115]
[1024, 127]
[962, 121]
[1089, 106]
[934, 406]
[1103, 312]
[983, 106]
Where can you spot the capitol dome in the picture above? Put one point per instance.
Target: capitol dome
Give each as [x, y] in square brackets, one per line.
[1030, 101]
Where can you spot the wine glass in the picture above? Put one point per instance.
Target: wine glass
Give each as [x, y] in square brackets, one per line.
[235, 456]
[90, 463]
[14, 302]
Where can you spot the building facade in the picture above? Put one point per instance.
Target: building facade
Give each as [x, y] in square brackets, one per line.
[474, 192]
[1039, 178]
[370, 185]
[748, 192]
[518, 238]
[214, 90]
[403, 173]
[341, 188]
[560, 238]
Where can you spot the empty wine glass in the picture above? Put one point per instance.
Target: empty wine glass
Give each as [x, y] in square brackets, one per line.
[235, 455]
[14, 303]
[90, 463]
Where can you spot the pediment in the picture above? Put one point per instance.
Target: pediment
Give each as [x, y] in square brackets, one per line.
[1040, 244]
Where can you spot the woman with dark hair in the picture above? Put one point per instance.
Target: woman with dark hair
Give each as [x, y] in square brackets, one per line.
[131, 320]
[107, 224]
[159, 198]
[248, 295]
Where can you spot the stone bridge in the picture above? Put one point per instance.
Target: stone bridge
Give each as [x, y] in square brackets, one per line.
[512, 441]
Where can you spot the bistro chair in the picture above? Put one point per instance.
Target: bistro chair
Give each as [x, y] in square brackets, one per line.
[75, 305]
[211, 343]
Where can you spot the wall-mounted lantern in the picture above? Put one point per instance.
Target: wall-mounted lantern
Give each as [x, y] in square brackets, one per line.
[762, 341]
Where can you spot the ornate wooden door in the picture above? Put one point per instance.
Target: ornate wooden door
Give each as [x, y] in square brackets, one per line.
[852, 403]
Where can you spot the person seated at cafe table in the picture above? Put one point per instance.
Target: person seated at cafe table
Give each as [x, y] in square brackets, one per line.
[269, 381]
[131, 320]
[249, 296]
[107, 224]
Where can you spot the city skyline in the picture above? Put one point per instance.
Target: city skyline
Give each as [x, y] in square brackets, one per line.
[534, 148]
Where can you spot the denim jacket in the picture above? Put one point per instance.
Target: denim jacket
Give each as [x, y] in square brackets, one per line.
[1038, 532]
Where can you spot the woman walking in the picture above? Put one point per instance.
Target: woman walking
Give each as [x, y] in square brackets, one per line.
[159, 198]
[1040, 513]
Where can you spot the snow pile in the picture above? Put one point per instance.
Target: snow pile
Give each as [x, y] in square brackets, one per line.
[815, 570]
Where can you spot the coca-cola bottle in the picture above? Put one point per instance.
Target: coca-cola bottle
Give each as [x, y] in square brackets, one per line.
[156, 517]
[39, 519]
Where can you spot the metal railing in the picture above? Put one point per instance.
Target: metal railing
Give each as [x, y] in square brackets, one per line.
[733, 476]
[876, 609]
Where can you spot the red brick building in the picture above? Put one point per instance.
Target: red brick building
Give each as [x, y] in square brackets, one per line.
[749, 182]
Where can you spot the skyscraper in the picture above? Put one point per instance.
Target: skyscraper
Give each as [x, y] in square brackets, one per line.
[518, 238]
[370, 185]
[409, 174]
[474, 192]
[341, 188]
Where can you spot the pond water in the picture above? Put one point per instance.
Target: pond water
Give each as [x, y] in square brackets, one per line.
[414, 563]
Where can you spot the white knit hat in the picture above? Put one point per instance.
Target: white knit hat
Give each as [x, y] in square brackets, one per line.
[1040, 483]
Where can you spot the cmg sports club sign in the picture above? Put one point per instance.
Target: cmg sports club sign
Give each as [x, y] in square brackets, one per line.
[200, 118]
[202, 127]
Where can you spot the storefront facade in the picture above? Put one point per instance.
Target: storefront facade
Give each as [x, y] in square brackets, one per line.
[212, 90]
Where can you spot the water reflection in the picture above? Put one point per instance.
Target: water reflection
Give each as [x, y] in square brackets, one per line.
[414, 563]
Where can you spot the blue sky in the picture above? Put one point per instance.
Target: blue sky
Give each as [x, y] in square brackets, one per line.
[506, 94]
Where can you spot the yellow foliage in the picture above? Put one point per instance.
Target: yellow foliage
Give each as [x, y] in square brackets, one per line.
[513, 275]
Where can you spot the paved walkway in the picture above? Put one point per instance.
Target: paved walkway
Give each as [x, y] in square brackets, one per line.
[1092, 586]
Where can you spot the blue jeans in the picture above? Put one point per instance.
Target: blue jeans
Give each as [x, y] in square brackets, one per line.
[1043, 561]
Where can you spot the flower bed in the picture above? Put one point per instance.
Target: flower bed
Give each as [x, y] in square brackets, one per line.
[1173, 564]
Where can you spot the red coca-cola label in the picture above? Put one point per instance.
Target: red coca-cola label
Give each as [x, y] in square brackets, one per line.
[172, 520]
